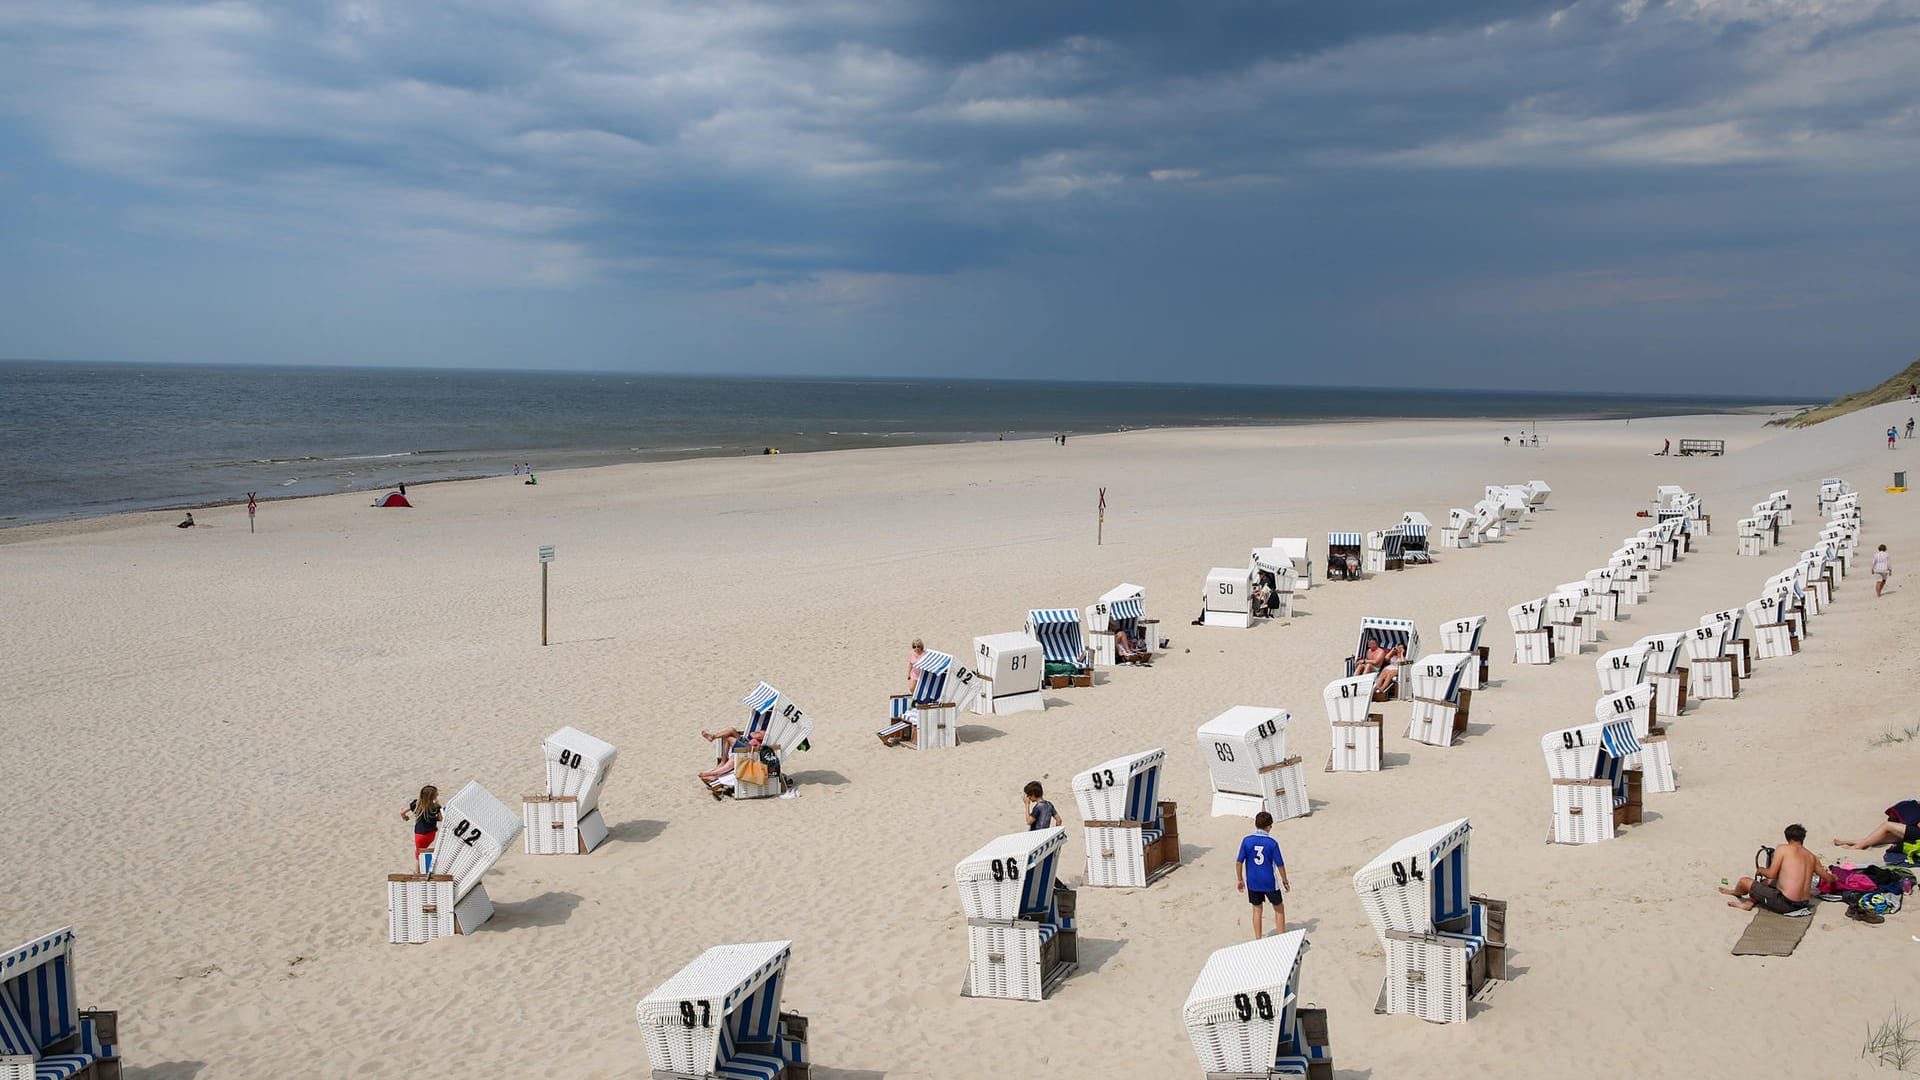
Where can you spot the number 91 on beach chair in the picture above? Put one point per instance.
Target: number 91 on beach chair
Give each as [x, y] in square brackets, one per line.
[719, 1018]
[44, 1034]
[1594, 790]
[566, 820]
[1021, 935]
[1244, 1017]
[1245, 750]
[475, 830]
[1444, 946]
[1133, 836]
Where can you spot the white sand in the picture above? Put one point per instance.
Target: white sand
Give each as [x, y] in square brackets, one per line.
[211, 735]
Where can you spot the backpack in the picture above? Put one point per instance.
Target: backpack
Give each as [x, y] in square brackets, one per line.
[770, 760]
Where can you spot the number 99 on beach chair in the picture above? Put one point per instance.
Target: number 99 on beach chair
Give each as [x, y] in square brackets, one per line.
[1133, 836]
[929, 717]
[1444, 946]
[1244, 1018]
[1021, 935]
[566, 820]
[1245, 751]
[44, 1034]
[475, 830]
[719, 1018]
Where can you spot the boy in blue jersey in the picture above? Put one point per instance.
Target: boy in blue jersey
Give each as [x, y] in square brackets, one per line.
[1255, 870]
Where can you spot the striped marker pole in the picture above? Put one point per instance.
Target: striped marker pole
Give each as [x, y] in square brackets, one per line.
[1100, 529]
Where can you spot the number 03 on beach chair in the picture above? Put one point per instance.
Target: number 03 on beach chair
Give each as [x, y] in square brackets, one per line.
[44, 1034]
[1244, 1016]
[719, 1018]
[566, 820]
[1021, 936]
[1444, 946]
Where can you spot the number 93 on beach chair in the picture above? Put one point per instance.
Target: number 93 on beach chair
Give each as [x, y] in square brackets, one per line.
[1444, 946]
[1245, 749]
[1021, 935]
[928, 718]
[1244, 1017]
[44, 1034]
[566, 820]
[1133, 836]
[475, 830]
[719, 1018]
[1595, 791]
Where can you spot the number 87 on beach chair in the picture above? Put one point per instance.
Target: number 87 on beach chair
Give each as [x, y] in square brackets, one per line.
[1133, 836]
[1244, 1017]
[475, 830]
[566, 820]
[719, 1018]
[1356, 730]
[1021, 935]
[1444, 946]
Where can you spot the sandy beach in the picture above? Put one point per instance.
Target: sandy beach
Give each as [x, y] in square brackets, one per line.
[212, 735]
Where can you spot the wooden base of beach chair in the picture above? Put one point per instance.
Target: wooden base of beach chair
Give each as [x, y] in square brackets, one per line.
[1439, 723]
[419, 908]
[1567, 637]
[1715, 677]
[1533, 647]
[1773, 641]
[1670, 692]
[552, 825]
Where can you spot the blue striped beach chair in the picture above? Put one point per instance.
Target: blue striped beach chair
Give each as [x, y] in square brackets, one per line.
[1386, 550]
[1022, 937]
[783, 727]
[1666, 668]
[1638, 704]
[1346, 555]
[44, 1034]
[719, 1018]
[1133, 836]
[1390, 634]
[1122, 610]
[566, 820]
[1058, 631]
[1444, 945]
[1244, 1018]
[929, 717]
[1595, 790]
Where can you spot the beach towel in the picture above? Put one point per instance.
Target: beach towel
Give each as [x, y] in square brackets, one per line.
[1772, 935]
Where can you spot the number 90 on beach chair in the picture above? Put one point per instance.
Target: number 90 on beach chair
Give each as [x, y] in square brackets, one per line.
[475, 830]
[1021, 935]
[1664, 653]
[566, 820]
[44, 1034]
[719, 1018]
[1245, 751]
[1444, 945]
[1133, 836]
[1244, 1017]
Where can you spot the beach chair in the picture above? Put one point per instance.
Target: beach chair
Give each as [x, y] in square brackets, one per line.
[1716, 674]
[1058, 632]
[1245, 750]
[1773, 635]
[1445, 947]
[1537, 492]
[1346, 556]
[1022, 939]
[1244, 1016]
[719, 1018]
[928, 718]
[1462, 529]
[44, 1033]
[1123, 609]
[1565, 624]
[1655, 757]
[1300, 550]
[1667, 670]
[1631, 582]
[1739, 638]
[1681, 525]
[1792, 600]
[1463, 636]
[1601, 595]
[1356, 729]
[1386, 551]
[1621, 668]
[1489, 520]
[1584, 605]
[784, 729]
[1816, 574]
[1512, 504]
[1009, 671]
[1133, 836]
[566, 820]
[1652, 544]
[1229, 597]
[1594, 791]
[1389, 633]
[1782, 504]
[1440, 700]
[1532, 640]
[1272, 567]
[475, 830]
[1831, 488]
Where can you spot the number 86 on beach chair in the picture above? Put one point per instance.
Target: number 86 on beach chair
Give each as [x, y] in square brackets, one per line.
[566, 820]
[1636, 703]
[719, 1018]
[475, 830]
[1244, 1017]
[1444, 946]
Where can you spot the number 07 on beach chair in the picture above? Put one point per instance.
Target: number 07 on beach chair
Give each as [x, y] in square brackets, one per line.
[719, 1018]
[1244, 1017]
[1444, 946]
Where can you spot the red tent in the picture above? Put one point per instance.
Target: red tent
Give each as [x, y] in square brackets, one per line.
[392, 498]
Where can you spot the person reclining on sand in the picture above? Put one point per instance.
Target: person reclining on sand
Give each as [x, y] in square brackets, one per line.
[1785, 887]
[1383, 660]
[1902, 828]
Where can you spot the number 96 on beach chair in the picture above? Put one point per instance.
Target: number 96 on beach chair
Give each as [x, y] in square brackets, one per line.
[44, 1034]
[719, 1018]
[1245, 749]
[1133, 836]
[1244, 1017]
[475, 830]
[1444, 946]
[1021, 936]
[566, 820]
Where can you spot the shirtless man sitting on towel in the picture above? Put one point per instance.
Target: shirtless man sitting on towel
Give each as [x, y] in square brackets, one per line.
[1785, 887]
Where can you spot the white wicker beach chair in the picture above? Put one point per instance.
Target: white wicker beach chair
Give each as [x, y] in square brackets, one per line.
[566, 820]
[929, 717]
[1440, 698]
[1273, 568]
[1390, 634]
[1489, 519]
[1245, 750]
[1386, 550]
[1716, 671]
[1603, 597]
[1666, 668]
[784, 729]
[1444, 945]
[1653, 545]
[1513, 506]
[1244, 1017]
[1229, 597]
[1133, 835]
[1021, 934]
[1584, 605]
[1773, 635]
[1532, 639]
[1565, 623]
[1357, 734]
[1010, 672]
[1537, 492]
[1346, 555]
[719, 1018]
[1655, 757]
[1300, 550]
[1594, 790]
[1122, 609]
[1464, 636]
[1462, 529]
[1058, 632]
[44, 1033]
[1620, 668]
[1831, 488]
[475, 830]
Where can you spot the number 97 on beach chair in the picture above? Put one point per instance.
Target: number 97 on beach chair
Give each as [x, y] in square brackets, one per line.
[475, 830]
[1244, 1016]
[566, 820]
[719, 1018]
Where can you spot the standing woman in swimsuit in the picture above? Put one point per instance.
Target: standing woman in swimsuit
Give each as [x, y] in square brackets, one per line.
[425, 812]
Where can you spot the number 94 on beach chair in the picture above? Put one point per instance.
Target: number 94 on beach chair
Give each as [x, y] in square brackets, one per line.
[1444, 946]
[1133, 836]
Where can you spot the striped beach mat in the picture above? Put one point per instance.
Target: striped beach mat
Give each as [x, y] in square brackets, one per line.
[1772, 935]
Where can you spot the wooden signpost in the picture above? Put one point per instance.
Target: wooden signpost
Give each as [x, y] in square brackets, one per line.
[546, 556]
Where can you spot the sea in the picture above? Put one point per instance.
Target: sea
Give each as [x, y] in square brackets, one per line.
[82, 440]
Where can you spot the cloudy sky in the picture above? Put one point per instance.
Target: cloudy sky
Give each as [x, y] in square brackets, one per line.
[1701, 195]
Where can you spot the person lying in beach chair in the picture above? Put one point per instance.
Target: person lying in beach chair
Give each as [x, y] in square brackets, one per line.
[1131, 649]
[725, 742]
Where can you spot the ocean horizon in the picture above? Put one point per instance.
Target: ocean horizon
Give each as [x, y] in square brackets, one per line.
[85, 440]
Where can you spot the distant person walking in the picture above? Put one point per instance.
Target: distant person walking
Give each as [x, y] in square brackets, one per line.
[1255, 872]
[1882, 570]
[1909, 427]
[1892, 435]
